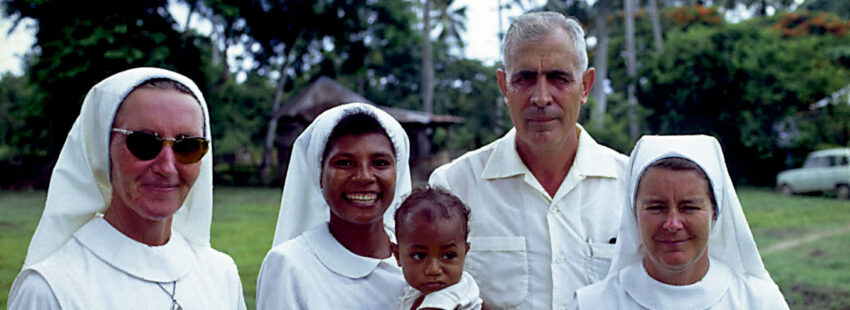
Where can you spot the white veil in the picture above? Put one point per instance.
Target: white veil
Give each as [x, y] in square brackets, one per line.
[730, 240]
[80, 185]
[303, 205]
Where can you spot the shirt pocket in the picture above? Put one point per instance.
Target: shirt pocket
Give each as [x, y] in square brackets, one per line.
[500, 267]
[600, 260]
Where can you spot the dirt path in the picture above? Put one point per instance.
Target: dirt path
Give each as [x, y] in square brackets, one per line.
[803, 240]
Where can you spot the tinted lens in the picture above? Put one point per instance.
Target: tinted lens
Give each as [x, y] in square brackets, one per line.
[190, 150]
[143, 145]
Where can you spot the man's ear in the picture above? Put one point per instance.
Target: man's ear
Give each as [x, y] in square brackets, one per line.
[501, 78]
[467, 248]
[394, 249]
[587, 79]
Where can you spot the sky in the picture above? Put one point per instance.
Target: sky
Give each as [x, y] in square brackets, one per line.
[13, 46]
[481, 37]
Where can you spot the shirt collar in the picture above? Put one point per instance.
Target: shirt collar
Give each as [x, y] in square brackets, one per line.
[594, 160]
[337, 258]
[653, 294]
[164, 263]
[505, 161]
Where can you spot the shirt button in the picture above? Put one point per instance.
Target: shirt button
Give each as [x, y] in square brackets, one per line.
[560, 259]
[555, 209]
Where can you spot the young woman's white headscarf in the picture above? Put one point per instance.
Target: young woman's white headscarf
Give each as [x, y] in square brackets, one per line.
[80, 186]
[730, 240]
[303, 205]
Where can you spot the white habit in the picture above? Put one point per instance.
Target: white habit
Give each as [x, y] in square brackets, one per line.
[736, 278]
[101, 268]
[529, 250]
[314, 271]
[77, 260]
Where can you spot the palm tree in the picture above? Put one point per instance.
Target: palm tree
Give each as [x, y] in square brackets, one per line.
[450, 22]
[631, 68]
[652, 7]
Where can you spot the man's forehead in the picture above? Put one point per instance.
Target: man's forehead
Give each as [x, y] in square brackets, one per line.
[553, 51]
[541, 64]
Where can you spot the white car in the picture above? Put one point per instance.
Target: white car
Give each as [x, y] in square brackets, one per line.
[823, 171]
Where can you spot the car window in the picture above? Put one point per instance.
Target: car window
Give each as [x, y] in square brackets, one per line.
[831, 161]
[814, 162]
[844, 161]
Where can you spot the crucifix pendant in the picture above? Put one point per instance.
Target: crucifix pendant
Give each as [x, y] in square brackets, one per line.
[175, 306]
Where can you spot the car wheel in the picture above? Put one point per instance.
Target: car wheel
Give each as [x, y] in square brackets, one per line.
[842, 192]
[784, 189]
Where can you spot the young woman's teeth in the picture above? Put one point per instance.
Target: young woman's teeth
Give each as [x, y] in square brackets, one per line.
[362, 198]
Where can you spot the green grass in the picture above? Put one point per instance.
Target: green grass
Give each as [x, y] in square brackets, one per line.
[774, 218]
[812, 276]
[243, 227]
[19, 215]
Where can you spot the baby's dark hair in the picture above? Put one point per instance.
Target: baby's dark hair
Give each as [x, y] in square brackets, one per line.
[355, 123]
[432, 202]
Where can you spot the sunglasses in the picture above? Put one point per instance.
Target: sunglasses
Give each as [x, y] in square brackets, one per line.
[146, 145]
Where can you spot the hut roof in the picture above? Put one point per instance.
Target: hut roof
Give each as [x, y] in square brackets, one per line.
[317, 97]
[326, 93]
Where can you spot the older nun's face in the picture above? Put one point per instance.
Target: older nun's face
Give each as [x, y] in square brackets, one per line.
[153, 189]
[674, 212]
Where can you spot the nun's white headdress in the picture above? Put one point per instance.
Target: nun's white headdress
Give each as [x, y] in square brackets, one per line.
[730, 239]
[303, 205]
[80, 185]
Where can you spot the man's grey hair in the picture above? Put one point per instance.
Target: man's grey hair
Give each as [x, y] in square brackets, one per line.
[536, 25]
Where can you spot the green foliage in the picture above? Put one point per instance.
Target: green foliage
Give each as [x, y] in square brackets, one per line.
[76, 47]
[239, 119]
[22, 134]
[615, 131]
[839, 7]
[736, 82]
[827, 127]
[468, 88]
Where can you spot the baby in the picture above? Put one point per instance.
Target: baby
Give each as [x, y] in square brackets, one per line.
[431, 228]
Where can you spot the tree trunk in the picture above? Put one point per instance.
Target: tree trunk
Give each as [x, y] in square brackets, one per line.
[600, 63]
[631, 69]
[271, 131]
[220, 31]
[424, 144]
[185, 35]
[656, 24]
[427, 61]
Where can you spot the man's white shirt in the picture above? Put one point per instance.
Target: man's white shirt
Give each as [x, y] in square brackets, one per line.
[530, 250]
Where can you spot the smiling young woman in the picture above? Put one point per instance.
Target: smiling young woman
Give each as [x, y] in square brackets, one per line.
[333, 234]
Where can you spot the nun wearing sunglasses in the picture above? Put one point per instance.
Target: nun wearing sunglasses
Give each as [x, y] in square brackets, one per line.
[127, 220]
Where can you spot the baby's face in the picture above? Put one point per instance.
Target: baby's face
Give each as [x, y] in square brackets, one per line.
[431, 254]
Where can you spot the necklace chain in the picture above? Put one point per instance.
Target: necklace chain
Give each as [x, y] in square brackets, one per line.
[174, 304]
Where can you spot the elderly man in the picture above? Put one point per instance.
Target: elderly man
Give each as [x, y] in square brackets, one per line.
[546, 199]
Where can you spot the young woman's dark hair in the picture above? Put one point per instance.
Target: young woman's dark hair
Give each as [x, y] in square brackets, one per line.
[354, 124]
